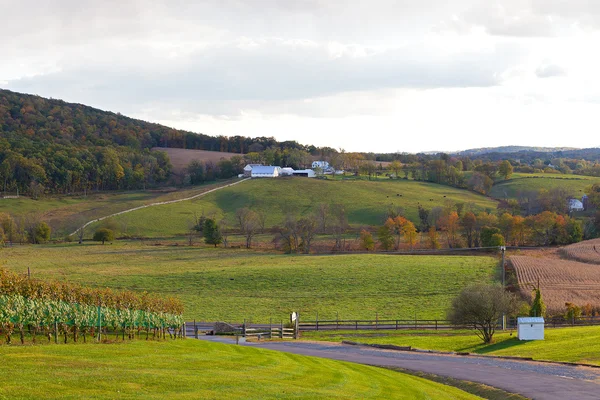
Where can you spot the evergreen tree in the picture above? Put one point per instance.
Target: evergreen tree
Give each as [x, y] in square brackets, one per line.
[212, 234]
[538, 308]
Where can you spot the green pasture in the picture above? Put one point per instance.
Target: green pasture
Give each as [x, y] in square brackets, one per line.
[365, 202]
[237, 284]
[66, 213]
[191, 369]
[523, 183]
[577, 344]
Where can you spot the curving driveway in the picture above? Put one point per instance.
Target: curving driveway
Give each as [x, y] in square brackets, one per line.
[531, 379]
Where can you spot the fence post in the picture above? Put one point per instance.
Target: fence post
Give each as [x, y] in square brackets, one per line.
[55, 331]
[244, 328]
[317, 324]
[356, 322]
[297, 326]
[436, 324]
[396, 324]
[99, 323]
[376, 320]
[195, 330]
[281, 332]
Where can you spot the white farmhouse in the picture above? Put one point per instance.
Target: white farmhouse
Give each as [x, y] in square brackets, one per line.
[575, 205]
[324, 165]
[262, 171]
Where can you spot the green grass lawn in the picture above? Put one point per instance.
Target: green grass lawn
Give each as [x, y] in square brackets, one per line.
[236, 284]
[579, 344]
[66, 213]
[520, 183]
[191, 369]
[366, 202]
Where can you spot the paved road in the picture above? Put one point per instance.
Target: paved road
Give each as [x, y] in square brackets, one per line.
[530, 379]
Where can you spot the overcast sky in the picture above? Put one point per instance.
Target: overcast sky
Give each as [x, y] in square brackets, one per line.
[377, 75]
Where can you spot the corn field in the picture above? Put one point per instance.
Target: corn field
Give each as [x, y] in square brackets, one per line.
[55, 309]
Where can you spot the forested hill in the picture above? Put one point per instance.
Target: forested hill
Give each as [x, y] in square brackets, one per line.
[53, 146]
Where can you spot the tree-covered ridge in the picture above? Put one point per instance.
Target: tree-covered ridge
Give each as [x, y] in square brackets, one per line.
[51, 145]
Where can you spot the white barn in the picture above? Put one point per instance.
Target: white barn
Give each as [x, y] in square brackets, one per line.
[248, 169]
[307, 173]
[287, 171]
[265, 171]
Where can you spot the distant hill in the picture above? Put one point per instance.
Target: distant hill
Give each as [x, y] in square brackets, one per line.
[513, 149]
[49, 145]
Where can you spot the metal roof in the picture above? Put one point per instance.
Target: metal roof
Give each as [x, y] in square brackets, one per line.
[530, 320]
[264, 169]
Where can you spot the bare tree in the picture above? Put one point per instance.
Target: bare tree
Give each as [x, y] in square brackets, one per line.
[248, 224]
[289, 234]
[322, 216]
[480, 307]
[261, 216]
[308, 228]
[80, 233]
[339, 225]
[224, 228]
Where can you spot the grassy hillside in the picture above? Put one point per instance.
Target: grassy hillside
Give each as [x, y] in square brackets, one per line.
[365, 202]
[66, 213]
[192, 369]
[232, 285]
[520, 183]
[580, 344]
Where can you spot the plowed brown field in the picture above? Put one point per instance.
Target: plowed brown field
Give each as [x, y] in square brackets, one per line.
[561, 281]
[588, 251]
[180, 158]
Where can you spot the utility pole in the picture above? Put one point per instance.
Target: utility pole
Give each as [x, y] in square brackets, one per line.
[503, 251]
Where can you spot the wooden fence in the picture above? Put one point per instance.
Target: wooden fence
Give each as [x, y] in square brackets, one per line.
[383, 324]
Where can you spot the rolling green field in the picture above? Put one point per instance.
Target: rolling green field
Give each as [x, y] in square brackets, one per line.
[232, 284]
[66, 213]
[521, 183]
[579, 344]
[366, 203]
[191, 369]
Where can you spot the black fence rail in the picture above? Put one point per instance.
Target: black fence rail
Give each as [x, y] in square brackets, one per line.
[560, 321]
[383, 324]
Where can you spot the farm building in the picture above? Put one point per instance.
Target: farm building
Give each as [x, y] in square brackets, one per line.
[320, 164]
[575, 205]
[287, 171]
[530, 328]
[265, 171]
[307, 173]
[248, 169]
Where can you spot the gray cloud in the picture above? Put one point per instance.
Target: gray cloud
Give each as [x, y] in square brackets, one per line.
[549, 71]
[262, 71]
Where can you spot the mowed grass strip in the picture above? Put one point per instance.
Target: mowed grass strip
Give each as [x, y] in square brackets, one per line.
[235, 284]
[366, 202]
[576, 344]
[191, 369]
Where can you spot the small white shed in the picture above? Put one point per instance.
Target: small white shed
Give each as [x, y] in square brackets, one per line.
[530, 328]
